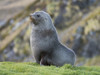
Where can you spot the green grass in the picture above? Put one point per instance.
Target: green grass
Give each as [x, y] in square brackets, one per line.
[12, 68]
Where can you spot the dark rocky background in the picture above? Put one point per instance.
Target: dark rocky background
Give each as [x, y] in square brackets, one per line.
[77, 23]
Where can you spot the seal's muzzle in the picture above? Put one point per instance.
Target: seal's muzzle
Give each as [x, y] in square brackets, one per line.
[32, 18]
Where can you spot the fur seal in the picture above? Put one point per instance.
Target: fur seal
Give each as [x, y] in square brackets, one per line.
[45, 44]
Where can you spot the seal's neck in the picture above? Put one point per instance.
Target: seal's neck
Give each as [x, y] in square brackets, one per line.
[44, 26]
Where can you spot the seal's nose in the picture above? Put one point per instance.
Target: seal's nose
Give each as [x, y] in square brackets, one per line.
[31, 16]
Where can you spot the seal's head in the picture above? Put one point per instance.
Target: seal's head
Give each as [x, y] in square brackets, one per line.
[40, 17]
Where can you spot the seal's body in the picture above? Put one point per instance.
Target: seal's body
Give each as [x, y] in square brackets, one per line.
[59, 56]
[45, 45]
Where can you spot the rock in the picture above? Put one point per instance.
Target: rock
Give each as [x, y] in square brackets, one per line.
[92, 48]
[77, 45]
[59, 21]
[29, 59]
[1, 57]
[78, 41]
[9, 48]
[83, 3]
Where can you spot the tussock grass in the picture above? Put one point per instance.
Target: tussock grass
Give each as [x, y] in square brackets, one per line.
[12, 68]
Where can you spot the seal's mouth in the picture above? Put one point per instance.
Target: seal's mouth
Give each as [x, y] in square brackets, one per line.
[32, 18]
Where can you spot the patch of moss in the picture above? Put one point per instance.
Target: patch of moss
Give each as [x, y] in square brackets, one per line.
[12, 68]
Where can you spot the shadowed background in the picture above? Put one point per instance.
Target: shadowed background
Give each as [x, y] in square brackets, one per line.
[77, 23]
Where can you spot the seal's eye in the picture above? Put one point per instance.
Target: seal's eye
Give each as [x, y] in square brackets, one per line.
[38, 15]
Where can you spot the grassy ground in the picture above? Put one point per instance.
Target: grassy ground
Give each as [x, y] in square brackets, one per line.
[11, 68]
